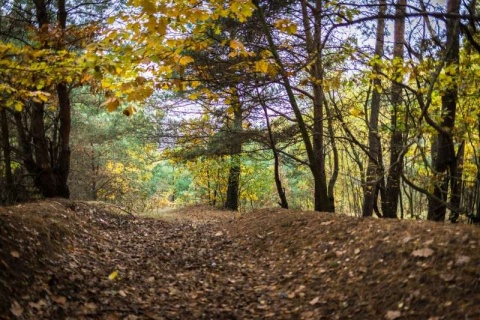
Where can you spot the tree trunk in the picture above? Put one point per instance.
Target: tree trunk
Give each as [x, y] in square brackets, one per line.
[336, 161]
[314, 49]
[320, 194]
[231, 203]
[10, 195]
[278, 182]
[374, 171]
[396, 139]
[443, 150]
[48, 167]
[232, 200]
[456, 181]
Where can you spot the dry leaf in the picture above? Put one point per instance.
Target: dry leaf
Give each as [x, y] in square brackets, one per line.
[406, 239]
[392, 315]
[38, 305]
[112, 316]
[461, 260]
[314, 301]
[16, 309]
[90, 306]
[15, 254]
[219, 234]
[447, 277]
[422, 253]
[59, 299]
[340, 252]
[326, 223]
[356, 251]
[122, 293]
[300, 288]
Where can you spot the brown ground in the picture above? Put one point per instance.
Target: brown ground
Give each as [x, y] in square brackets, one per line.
[56, 258]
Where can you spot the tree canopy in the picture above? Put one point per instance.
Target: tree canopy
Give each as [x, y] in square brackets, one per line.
[367, 107]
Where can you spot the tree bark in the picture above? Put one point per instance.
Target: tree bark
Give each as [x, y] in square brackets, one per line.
[456, 196]
[374, 171]
[396, 139]
[232, 200]
[443, 150]
[336, 161]
[314, 49]
[49, 168]
[278, 182]
[315, 155]
[10, 189]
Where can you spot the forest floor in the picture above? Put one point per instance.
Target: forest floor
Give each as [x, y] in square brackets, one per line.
[61, 259]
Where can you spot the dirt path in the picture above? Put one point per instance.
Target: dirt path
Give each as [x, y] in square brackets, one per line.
[203, 264]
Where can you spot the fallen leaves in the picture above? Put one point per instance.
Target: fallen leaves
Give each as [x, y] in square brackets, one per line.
[16, 309]
[423, 253]
[113, 275]
[462, 260]
[40, 304]
[270, 264]
[59, 299]
[392, 315]
[15, 254]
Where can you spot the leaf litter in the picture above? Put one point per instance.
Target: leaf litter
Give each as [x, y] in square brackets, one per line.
[81, 260]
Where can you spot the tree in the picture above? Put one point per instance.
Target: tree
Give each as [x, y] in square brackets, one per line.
[40, 48]
[314, 147]
[443, 150]
[374, 176]
[397, 143]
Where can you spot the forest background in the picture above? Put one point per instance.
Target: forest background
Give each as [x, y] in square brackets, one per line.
[362, 107]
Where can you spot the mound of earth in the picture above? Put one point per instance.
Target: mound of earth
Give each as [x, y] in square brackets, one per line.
[78, 260]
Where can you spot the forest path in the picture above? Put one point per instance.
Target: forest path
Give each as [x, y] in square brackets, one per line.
[198, 263]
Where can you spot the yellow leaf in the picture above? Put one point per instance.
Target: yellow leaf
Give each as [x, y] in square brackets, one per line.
[236, 45]
[194, 96]
[185, 60]
[242, 9]
[40, 96]
[149, 6]
[18, 106]
[162, 26]
[356, 112]
[291, 29]
[113, 275]
[151, 24]
[40, 84]
[261, 66]
[286, 26]
[195, 84]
